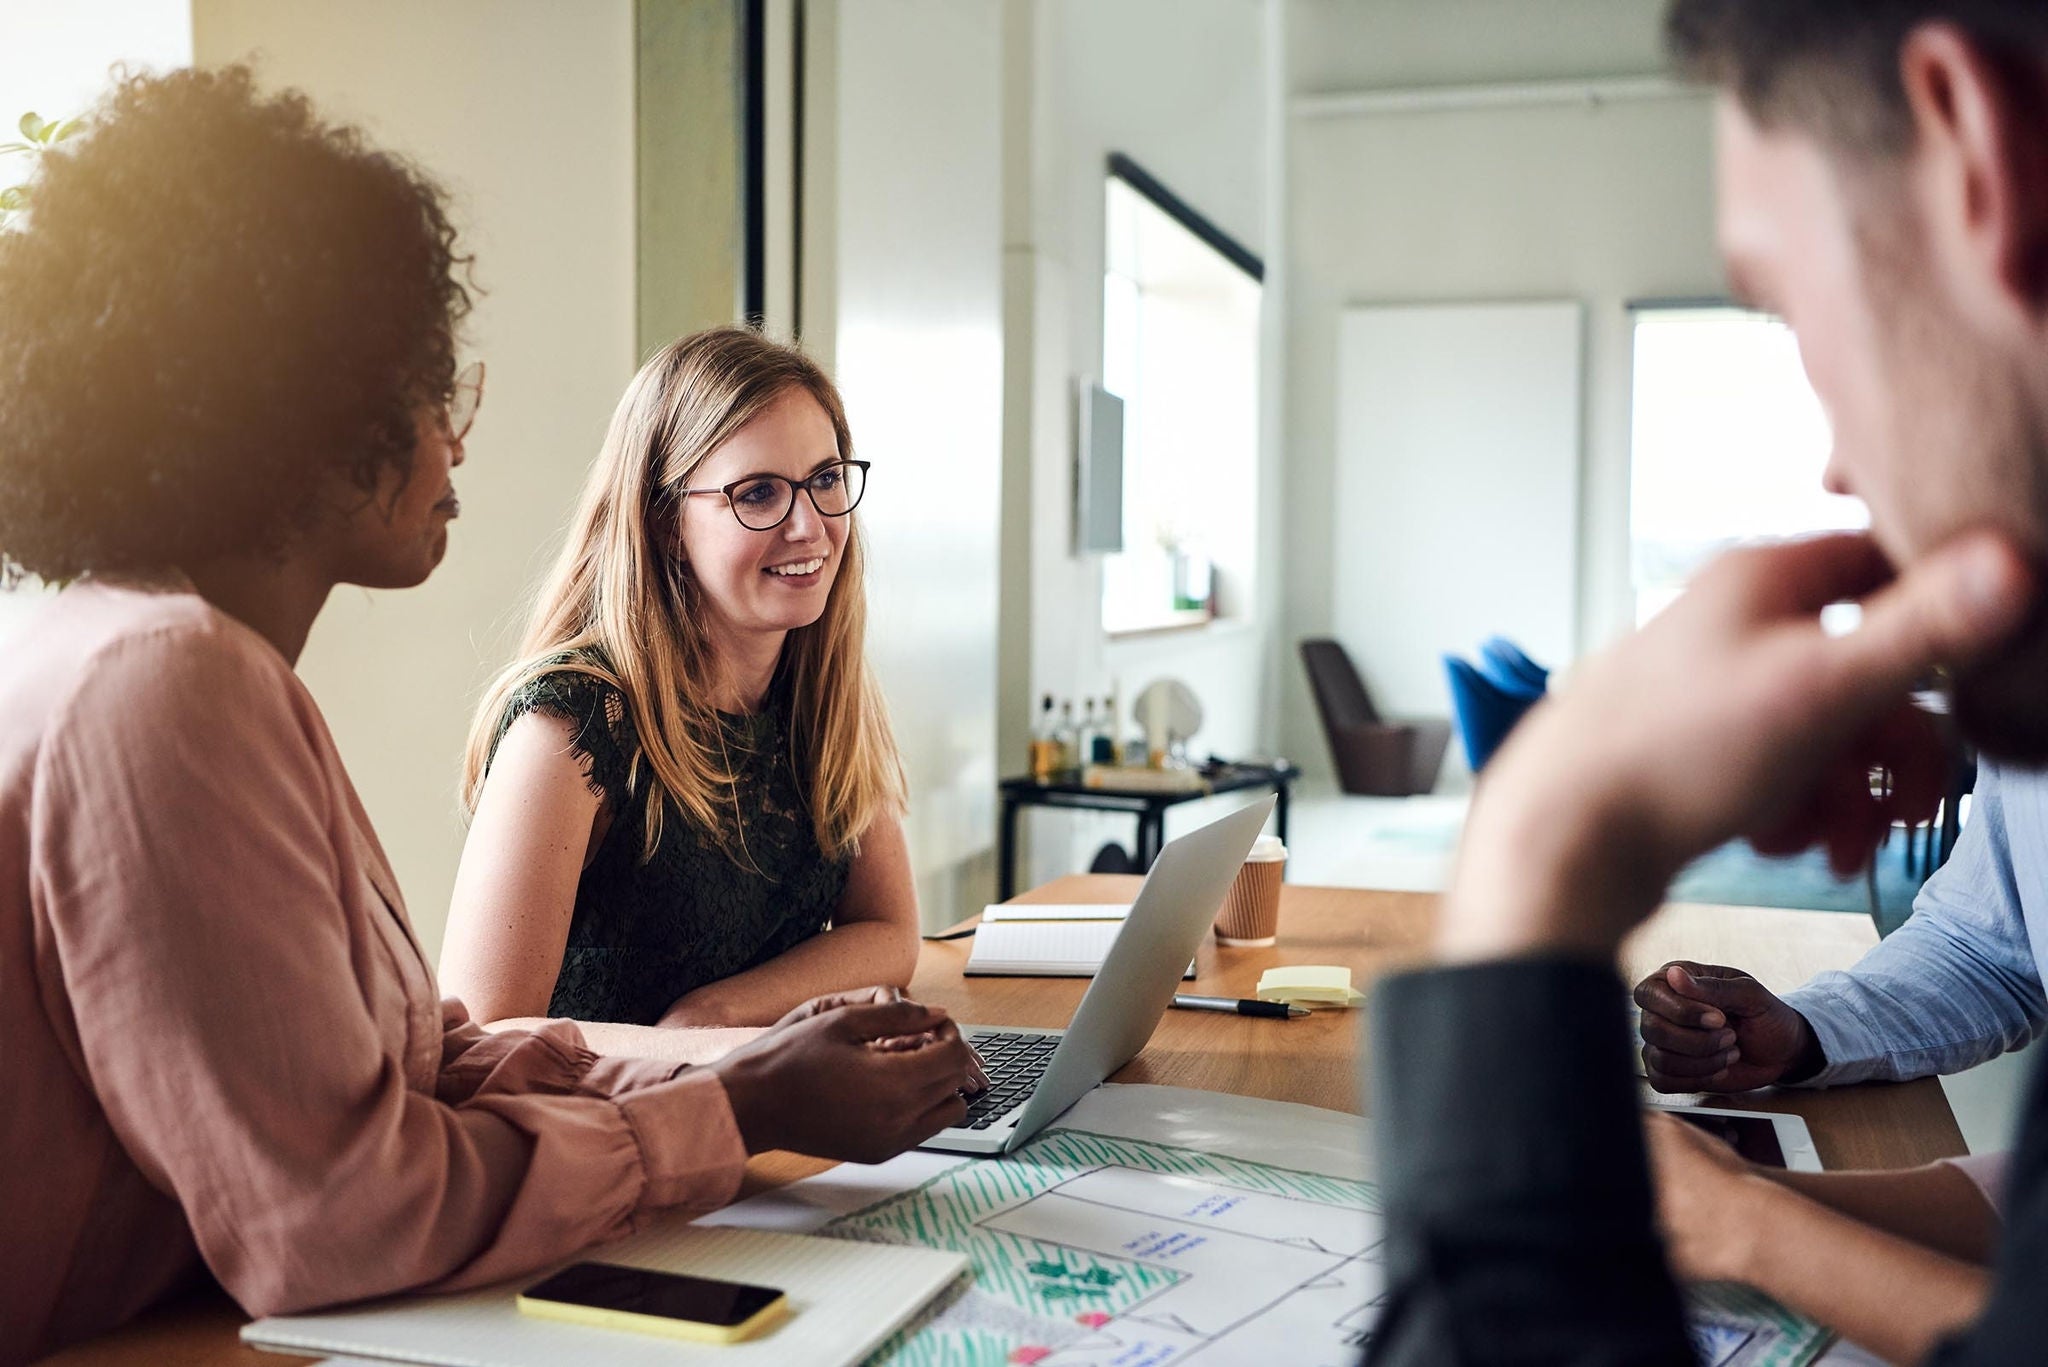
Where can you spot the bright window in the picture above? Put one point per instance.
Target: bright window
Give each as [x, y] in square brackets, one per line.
[55, 59]
[1180, 347]
[1728, 444]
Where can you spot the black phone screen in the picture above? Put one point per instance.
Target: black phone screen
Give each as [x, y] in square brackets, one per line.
[670, 1295]
[1751, 1136]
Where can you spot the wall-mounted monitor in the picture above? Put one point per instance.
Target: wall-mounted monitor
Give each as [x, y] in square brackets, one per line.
[1099, 472]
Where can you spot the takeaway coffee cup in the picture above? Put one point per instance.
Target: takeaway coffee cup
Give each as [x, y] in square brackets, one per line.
[1251, 909]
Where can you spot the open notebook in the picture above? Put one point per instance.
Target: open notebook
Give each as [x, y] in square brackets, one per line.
[845, 1297]
[1018, 940]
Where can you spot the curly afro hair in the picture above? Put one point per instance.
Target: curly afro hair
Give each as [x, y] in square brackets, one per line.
[218, 305]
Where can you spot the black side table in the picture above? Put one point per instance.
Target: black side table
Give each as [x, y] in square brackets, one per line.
[1067, 790]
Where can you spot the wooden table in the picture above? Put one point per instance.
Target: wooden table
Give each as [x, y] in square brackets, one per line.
[1311, 1060]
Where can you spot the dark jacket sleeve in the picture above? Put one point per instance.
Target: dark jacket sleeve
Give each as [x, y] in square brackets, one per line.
[1518, 1202]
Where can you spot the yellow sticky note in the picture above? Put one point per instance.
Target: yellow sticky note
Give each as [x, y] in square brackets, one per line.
[1311, 985]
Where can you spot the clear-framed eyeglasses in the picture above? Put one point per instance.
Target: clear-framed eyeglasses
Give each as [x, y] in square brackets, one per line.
[465, 396]
[763, 502]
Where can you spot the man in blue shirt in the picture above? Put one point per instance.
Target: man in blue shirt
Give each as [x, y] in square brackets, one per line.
[1959, 983]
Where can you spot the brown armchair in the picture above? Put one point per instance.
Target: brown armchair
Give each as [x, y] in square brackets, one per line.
[1374, 755]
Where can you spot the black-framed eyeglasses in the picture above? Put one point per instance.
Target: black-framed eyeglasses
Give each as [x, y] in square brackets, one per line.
[763, 502]
[465, 396]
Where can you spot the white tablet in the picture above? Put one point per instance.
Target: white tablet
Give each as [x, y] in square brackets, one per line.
[1763, 1137]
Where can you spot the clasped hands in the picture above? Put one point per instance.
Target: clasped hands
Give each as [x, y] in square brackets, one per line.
[1710, 1028]
[859, 1076]
[977, 1077]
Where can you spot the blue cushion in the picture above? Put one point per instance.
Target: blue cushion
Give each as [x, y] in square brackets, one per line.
[1486, 712]
[1504, 662]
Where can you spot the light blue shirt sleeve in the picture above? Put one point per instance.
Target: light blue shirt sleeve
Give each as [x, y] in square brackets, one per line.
[1955, 985]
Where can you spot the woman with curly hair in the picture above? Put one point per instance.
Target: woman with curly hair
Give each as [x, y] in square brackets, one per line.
[692, 815]
[228, 383]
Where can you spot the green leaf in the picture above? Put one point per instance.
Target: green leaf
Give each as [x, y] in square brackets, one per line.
[31, 126]
[6, 147]
[14, 197]
[67, 129]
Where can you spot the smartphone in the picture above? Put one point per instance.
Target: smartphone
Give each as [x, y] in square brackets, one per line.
[1775, 1141]
[666, 1303]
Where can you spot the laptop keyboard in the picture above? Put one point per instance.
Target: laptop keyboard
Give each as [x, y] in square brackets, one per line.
[1014, 1064]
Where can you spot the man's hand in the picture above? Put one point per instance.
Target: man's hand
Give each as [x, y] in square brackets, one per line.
[1733, 713]
[829, 1085]
[1707, 1028]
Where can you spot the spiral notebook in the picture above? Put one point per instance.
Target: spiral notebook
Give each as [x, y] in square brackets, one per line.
[845, 1298]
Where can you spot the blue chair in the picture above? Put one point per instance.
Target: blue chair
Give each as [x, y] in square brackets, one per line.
[1485, 710]
[1504, 662]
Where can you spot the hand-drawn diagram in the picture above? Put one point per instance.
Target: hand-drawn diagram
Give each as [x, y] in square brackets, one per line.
[1092, 1250]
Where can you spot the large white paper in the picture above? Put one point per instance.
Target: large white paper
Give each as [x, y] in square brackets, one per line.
[1278, 1132]
[1154, 1225]
[1113, 1239]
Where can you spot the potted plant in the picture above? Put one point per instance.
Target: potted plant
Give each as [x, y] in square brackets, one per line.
[38, 135]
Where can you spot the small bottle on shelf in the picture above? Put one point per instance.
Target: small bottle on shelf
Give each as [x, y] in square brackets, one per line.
[1044, 743]
[1102, 736]
[1069, 737]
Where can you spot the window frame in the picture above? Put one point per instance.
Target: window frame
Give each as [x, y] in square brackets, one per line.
[1122, 168]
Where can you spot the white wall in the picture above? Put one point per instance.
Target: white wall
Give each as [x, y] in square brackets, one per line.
[1182, 87]
[1346, 44]
[524, 109]
[914, 294]
[1458, 425]
[1601, 205]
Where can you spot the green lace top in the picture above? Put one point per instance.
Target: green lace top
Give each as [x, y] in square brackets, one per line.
[643, 934]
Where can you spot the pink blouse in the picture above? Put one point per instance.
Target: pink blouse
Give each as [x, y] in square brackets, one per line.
[1987, 1172]
[220, 1040]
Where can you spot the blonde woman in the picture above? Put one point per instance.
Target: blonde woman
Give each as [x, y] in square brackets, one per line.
[686, 801]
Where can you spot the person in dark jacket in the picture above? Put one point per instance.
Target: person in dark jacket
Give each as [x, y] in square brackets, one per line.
[1883, 171]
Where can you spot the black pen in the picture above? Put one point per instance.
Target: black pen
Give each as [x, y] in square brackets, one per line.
[1241, 1006]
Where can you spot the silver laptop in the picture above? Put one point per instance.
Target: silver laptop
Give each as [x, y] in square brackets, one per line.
[1036, 1074]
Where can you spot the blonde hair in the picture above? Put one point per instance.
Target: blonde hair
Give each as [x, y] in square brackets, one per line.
[618, 607]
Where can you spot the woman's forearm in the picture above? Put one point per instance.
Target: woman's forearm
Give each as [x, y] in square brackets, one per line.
[858, 954]
[647, 1041]
[1937, 1206]
[1896, 1298]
